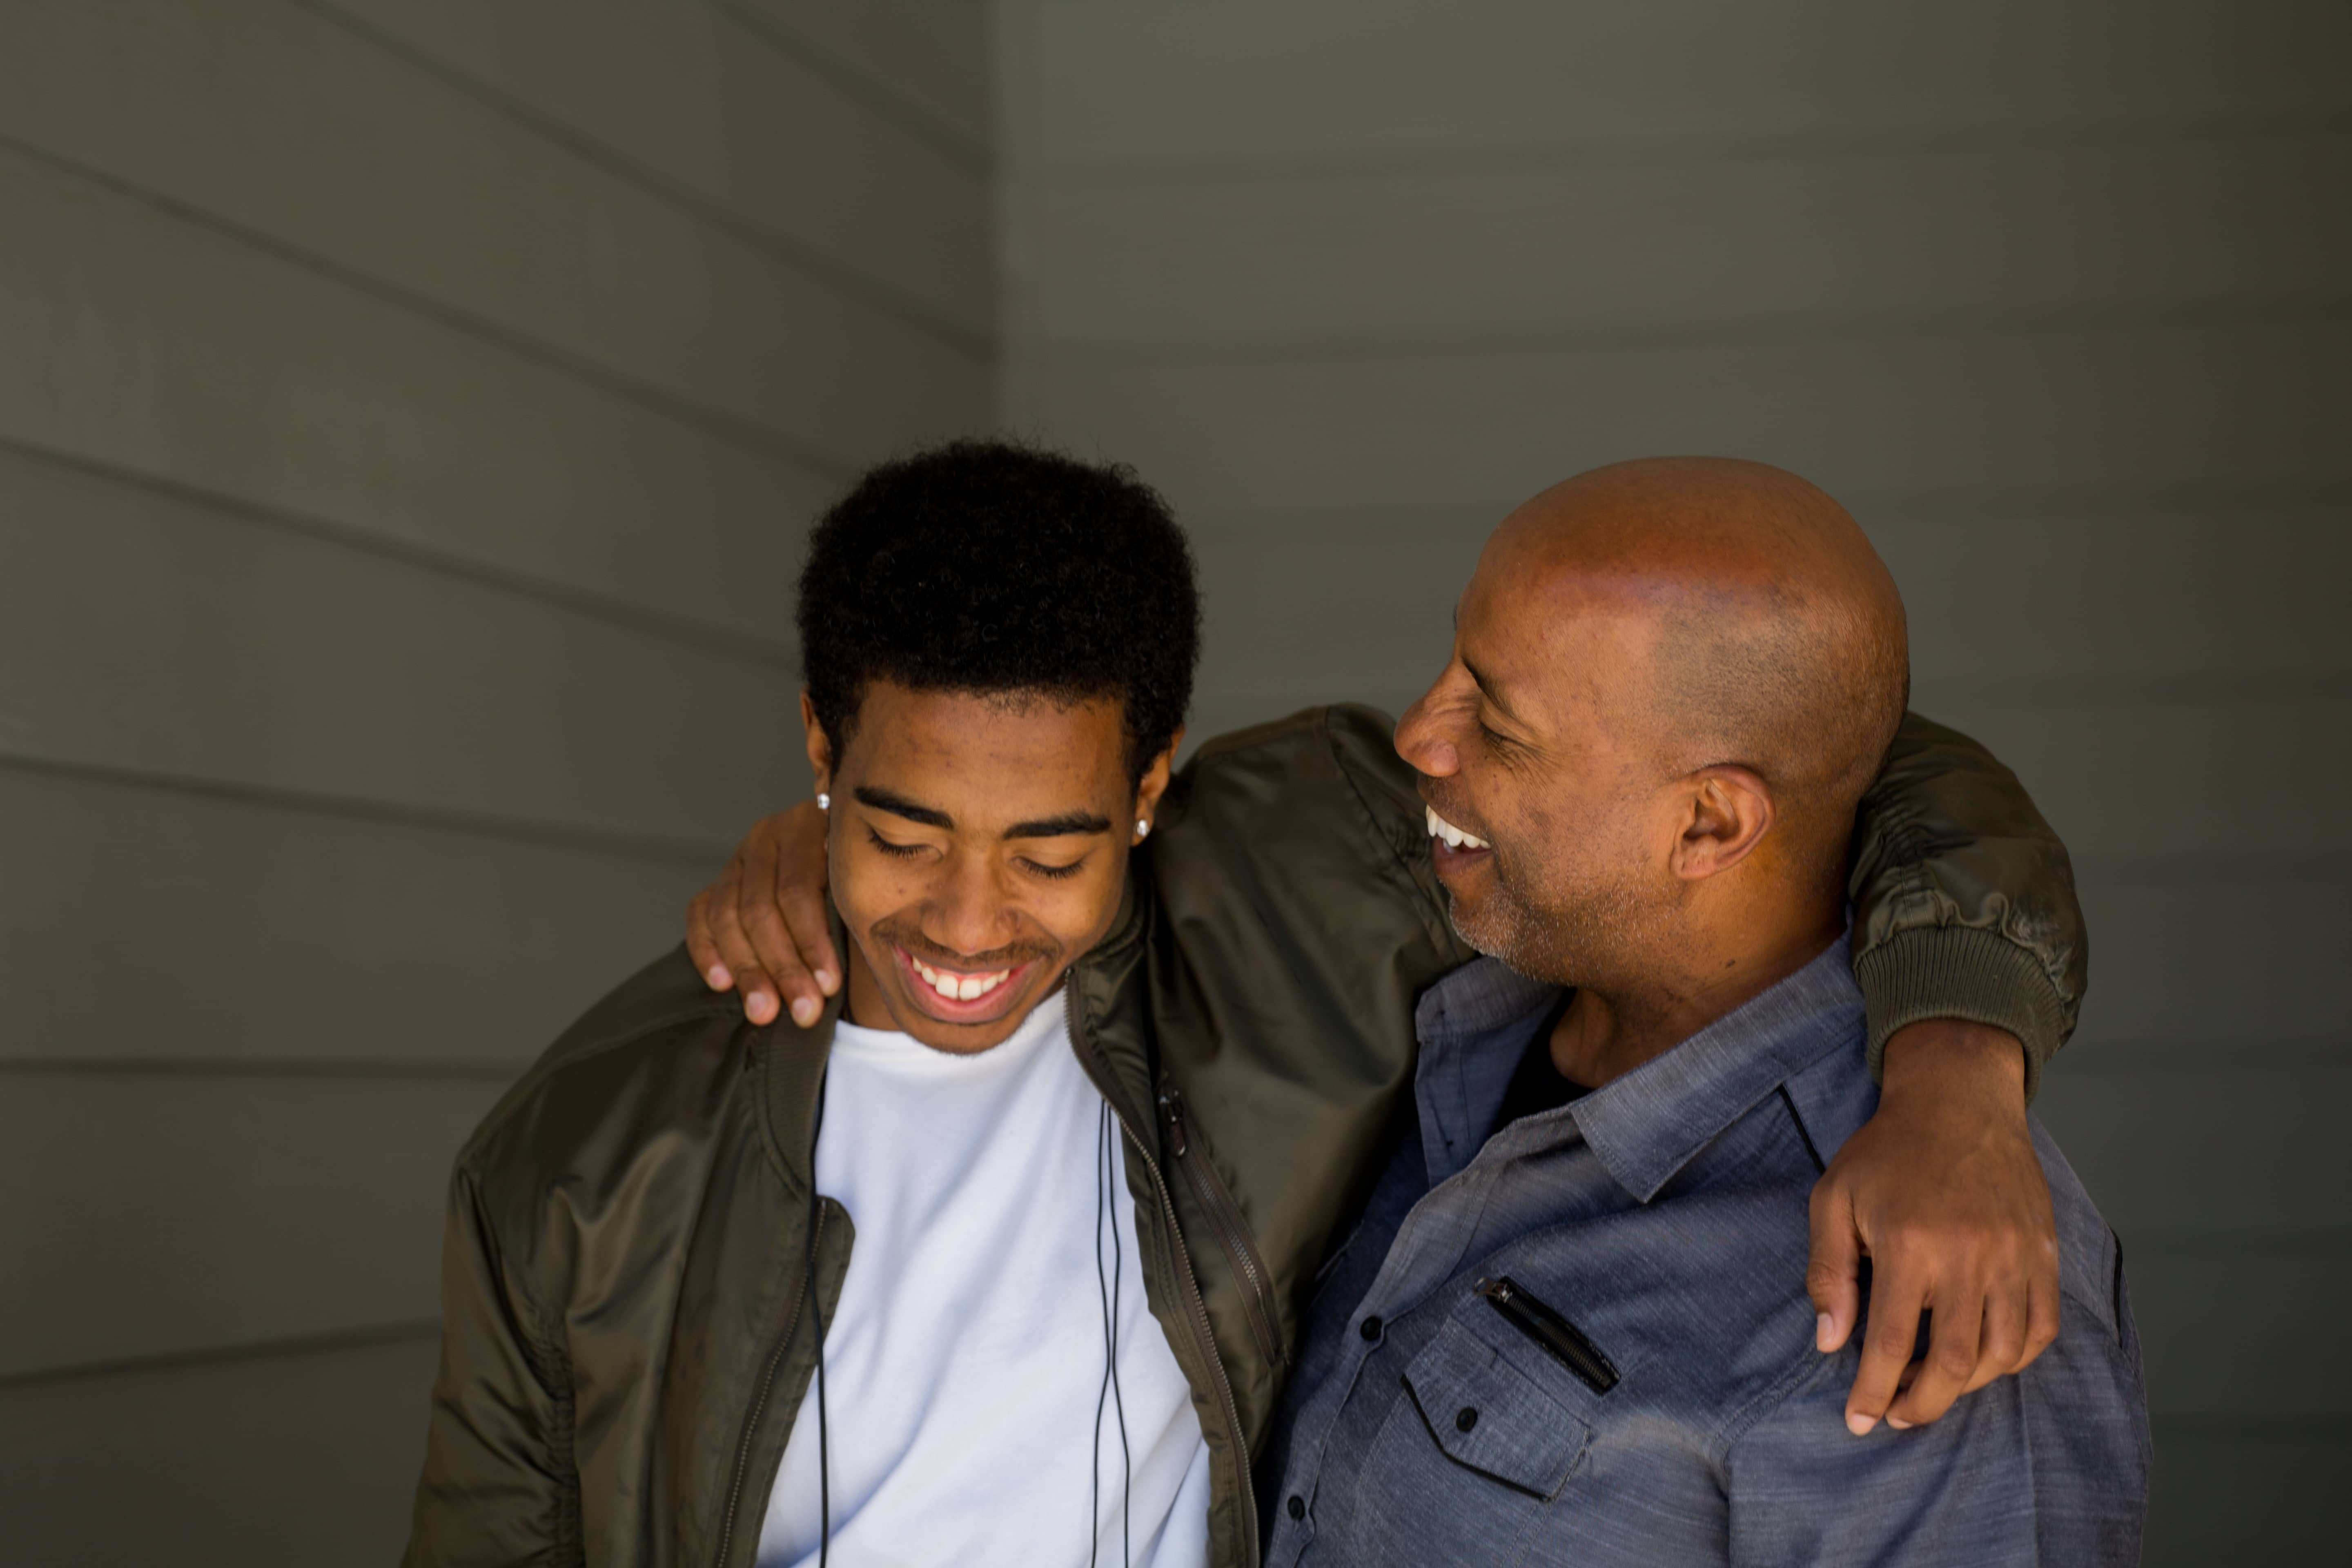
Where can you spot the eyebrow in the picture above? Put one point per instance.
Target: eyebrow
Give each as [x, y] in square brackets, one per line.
[1068, 823]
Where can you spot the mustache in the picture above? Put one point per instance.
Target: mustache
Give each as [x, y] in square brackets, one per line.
[1013, 955]
[1433, 795]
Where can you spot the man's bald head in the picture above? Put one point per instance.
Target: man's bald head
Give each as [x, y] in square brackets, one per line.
[1767, 633]
[1672, 680]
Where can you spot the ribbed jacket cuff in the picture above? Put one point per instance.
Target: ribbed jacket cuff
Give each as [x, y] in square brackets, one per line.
[1961, 972]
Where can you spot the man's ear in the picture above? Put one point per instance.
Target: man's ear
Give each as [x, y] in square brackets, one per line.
[1155, 784]
[1727, 811]
[820, 745]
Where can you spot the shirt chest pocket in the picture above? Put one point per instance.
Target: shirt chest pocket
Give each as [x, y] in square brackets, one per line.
[1486, 1415]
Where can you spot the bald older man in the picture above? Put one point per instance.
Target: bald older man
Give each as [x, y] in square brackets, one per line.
[1571, 1327]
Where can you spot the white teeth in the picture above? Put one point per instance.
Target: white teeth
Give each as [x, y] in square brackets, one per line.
[1441, 828]
[959, 987]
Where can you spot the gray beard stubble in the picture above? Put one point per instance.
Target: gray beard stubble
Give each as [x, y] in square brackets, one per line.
[1562, 931]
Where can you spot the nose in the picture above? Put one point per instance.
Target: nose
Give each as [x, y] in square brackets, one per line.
[969, 915]
[1421, 738]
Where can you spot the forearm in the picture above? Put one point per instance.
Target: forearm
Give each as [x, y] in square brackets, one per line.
[1964, 900]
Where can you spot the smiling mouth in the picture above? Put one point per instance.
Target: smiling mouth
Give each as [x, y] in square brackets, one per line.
[955, 985]
[1451, 836]
[961, 995]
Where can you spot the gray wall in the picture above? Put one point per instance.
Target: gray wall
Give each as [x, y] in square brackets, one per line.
[2052, 292]
[410, 411]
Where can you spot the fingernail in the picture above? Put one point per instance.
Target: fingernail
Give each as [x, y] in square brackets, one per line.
[804, 1012]
[1896, 1424]
[718, 977]
[1822, 1333]
[825, 981]
[1859, 1424]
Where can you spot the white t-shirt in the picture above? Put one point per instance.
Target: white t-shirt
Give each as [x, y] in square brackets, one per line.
[965, 1359]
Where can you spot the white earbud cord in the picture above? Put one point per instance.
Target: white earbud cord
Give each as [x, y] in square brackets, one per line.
[1106, 1185]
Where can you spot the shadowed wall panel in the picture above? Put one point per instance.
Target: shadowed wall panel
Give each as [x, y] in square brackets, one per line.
[575, 261]
[149, 924]
[814, 133]
[2051, 294]
[140, 343]
[233, 1208]
[216, 647]
[410, 418]
[339, 1427]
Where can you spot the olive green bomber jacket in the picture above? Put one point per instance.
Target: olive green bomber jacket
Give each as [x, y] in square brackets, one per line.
[632, 1233]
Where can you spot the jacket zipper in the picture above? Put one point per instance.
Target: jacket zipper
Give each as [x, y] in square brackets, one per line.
[1232, 1231]
[1204, 1339]
[767, 1387]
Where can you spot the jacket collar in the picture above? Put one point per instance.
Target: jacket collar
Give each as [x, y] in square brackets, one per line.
[792, 1062]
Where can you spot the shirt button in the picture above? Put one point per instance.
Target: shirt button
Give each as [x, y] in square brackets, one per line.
[1296, 1507]
[1465, 1418]
[1371, 1327]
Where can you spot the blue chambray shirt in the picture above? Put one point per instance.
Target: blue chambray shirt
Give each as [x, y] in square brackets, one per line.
[1665, 1216]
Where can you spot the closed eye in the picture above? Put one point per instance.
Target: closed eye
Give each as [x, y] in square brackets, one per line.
[903, 851]
[1054, 873]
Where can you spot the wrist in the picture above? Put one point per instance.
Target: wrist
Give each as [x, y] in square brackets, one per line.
[1947, 1059]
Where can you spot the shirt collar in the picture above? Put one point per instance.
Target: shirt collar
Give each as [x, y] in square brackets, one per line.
[1647, 1125]
[1474, 1025]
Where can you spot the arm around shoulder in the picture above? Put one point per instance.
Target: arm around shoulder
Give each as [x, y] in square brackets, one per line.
[1964, 901]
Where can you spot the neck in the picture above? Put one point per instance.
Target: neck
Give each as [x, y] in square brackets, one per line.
[1613, 1027]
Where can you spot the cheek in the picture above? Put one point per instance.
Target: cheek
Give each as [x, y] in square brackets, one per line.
[869, 886]
[1077, 911]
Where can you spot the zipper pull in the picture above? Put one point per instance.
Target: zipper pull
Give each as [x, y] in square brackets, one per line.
[1171, 1106]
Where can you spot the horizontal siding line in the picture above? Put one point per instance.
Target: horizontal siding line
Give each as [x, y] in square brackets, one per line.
[658, 848]
[974, 344]
[2283, 1241]
[343, 1339]
[1936, 504]
[2177, 498]
[2152, 689]
[768, 653]
[717, 423]
[2221, 1058]
[356, 1070]
[1662, 150]
[2265, 1430]
[1047, 355]
[2163, 867]
[877, 98]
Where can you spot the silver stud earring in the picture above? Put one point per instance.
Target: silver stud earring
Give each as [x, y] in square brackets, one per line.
[824, 803]
[1142, 828]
